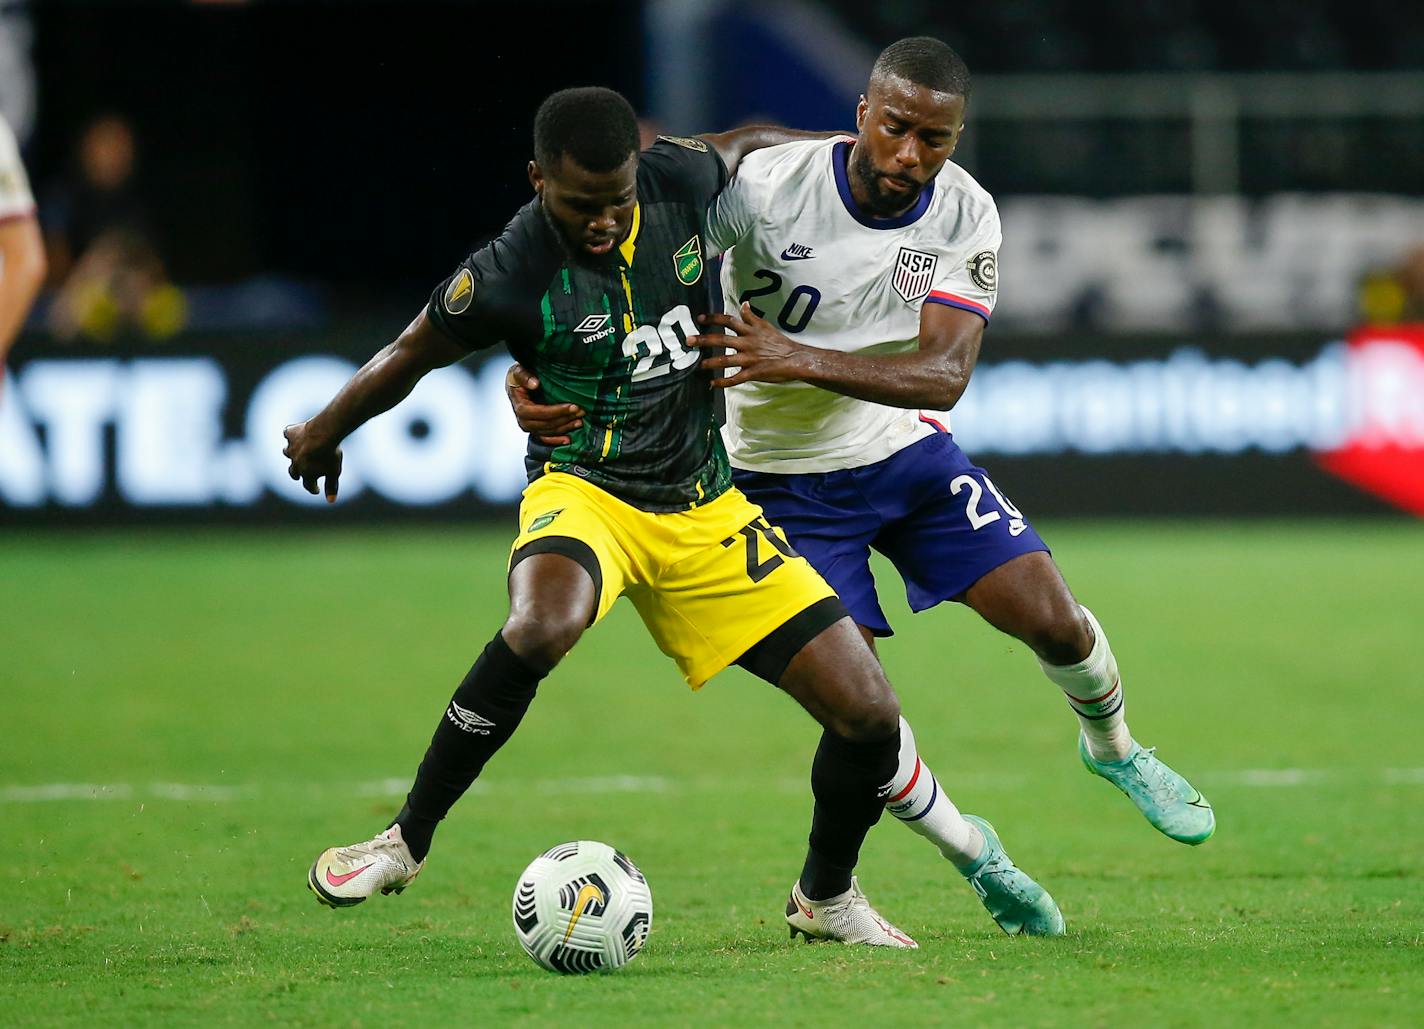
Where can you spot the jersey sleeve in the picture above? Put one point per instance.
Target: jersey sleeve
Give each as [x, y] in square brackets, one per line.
[967, 273]
[733, 211]
[687, 167]
[16, 199]
[484, 302]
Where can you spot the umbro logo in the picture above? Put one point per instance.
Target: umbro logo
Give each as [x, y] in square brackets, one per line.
[467, 720]
[797, 252]
[594, 328]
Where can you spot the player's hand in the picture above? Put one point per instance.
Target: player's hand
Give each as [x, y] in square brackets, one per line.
[312, 459]
[757, 351]
[551, 423]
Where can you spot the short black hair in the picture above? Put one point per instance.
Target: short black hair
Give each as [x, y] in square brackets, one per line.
[593, 125]
[925, 61]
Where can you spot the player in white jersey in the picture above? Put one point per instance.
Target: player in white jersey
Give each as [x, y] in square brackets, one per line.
[811, 260]
[859, 278]
[22, 260]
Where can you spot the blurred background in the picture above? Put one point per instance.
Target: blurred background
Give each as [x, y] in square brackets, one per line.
[1212, 270]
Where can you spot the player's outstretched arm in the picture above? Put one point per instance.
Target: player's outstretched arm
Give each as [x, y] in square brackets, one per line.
[314, 446]
[934, 376]
[735, 144]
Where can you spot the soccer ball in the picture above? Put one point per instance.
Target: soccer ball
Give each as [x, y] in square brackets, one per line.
[582, 907]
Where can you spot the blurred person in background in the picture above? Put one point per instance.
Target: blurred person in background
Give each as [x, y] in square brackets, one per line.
[106, 268]
[22, 256]
[1396, 294]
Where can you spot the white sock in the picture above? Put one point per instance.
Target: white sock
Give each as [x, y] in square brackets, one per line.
[1094, 691]
[916, 799]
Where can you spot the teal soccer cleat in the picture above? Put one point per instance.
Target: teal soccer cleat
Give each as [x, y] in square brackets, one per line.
[1016, 902]
[1174, 806]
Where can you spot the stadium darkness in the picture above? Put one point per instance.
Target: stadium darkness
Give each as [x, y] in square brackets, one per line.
[340, 142]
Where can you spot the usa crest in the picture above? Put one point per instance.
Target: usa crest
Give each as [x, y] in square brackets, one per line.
[914, 272]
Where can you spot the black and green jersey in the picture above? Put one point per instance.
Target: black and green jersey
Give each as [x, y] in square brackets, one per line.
[609, 335]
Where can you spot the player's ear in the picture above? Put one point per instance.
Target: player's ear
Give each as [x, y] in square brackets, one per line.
[860, 110]
[536, 177]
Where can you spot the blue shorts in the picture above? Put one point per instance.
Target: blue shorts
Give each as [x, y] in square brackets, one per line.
[934, 514]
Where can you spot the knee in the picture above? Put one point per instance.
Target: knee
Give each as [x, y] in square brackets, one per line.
[1061, 634]
[542, 641]
[873, 715]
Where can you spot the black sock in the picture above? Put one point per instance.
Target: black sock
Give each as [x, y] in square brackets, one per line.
[848, 780]
[481, 716]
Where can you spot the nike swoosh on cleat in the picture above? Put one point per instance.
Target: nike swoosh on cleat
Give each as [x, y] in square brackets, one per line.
[341, 880]
[805, 910]
[1199, 801]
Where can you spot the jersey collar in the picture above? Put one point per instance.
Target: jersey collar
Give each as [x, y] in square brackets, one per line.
[629, 245]
[840, 160]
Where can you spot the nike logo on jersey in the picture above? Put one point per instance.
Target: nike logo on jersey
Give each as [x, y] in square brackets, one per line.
[797, 252]
[1017, 527]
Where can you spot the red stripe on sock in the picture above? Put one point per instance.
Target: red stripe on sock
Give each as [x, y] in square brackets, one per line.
[1097, 700]
[913, 779]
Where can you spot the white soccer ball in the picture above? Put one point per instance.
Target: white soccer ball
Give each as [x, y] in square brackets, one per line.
[582, 907]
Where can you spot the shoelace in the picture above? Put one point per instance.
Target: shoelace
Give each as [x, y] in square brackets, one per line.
[856, 903]
[846, 911]
[377, 848]
[997, 864]
[847, 905]
[1152, 772]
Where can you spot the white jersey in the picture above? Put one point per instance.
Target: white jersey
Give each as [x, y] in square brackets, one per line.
[803, 254]
[15, 198]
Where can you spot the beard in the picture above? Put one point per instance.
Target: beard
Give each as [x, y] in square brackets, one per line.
[881, 203]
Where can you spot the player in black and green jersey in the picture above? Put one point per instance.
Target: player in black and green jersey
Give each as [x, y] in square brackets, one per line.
[603, 317]
[595, 285]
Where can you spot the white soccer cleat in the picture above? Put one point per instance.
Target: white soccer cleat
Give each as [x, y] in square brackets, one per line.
[343, 876]
[847, 918]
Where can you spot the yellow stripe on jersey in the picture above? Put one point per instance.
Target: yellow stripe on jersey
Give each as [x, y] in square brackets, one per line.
[608, 434]
[628, 325]
[627, 247]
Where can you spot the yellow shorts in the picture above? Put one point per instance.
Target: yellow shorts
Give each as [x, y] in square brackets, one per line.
[709, 583]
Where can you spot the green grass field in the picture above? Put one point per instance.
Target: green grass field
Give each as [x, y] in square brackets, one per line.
[189, 718]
